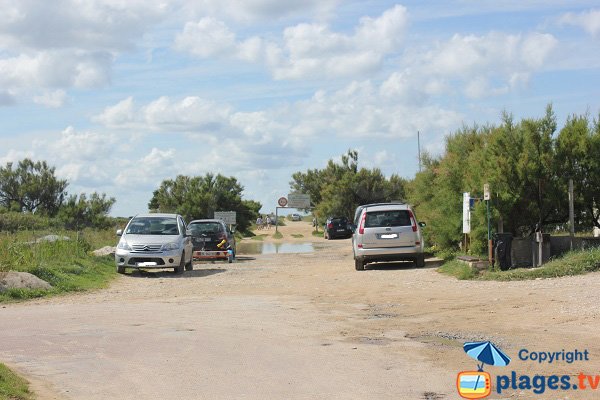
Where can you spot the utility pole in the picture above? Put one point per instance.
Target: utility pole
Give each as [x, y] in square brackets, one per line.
[419, 148]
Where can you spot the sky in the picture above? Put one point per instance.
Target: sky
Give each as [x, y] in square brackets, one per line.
[119, 95]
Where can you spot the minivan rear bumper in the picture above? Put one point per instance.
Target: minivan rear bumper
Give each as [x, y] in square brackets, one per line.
[404, 253]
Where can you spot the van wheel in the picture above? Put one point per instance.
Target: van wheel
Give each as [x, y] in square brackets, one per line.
[420, 261]
[359, 264]
[120, 269]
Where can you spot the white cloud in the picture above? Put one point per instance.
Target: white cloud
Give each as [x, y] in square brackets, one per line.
[306, 50]
[259, 10]
[483, 66]
[53, 99]
[119, 115]
[588, 21]
[52, 46]
[15, 156]
[205, 38]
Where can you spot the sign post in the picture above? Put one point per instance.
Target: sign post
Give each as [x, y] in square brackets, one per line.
[486, 197]
[466, 216]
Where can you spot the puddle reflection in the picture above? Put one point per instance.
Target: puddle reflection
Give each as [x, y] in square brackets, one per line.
[273, 248]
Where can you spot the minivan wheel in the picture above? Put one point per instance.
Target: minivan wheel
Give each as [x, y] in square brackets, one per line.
[189, 265]
[179, 269]
[420, 261]
[359, 264]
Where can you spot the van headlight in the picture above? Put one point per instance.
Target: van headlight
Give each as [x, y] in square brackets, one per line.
[170, 246]
[123, 245]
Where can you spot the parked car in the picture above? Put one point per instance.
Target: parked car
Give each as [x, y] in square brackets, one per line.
[154, 241]
[387, 232]
[212, 240]
[337, 227]
[296, 217]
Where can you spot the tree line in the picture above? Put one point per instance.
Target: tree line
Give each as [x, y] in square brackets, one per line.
[527, 163]
[32, 187]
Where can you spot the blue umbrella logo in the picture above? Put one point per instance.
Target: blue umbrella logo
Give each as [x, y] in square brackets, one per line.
[486, 353]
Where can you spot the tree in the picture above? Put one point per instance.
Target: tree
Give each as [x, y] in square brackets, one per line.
[200, 196]
[339, 188]
[577, 146]
[31, 186]
[79, 212]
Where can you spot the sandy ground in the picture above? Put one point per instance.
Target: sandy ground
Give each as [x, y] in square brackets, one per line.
[296, 326]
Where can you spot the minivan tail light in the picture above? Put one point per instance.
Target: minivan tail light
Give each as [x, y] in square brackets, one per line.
[413, 222]
[330, 226]
[361, 229]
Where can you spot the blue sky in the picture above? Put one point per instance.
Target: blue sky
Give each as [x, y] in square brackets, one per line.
[119, 95]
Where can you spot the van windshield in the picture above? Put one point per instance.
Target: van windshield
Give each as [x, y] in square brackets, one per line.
[376, 219]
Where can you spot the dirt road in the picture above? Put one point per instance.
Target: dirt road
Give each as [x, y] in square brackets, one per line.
[296, 326]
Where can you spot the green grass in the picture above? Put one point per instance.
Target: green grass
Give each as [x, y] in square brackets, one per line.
[458, 269]
[13, 387]
[65, 264]
[260, 236]
[277, 235]
[573, 263]
[317, 233]
[297, 235]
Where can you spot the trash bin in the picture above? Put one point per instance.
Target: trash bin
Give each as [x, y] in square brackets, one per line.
[502, 245]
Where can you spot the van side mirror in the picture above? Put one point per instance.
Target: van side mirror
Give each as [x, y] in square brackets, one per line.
[188, 232]
[119, 232]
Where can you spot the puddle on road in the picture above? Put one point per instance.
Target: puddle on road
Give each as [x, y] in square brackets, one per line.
[273, 248]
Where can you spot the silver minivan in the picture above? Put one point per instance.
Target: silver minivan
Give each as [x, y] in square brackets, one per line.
[154, 241]
[387, 232]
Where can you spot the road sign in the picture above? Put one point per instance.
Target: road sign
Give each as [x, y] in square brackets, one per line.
[486, 191]
[466, 212]
[298, 200]
[229, 217]
[282, 202]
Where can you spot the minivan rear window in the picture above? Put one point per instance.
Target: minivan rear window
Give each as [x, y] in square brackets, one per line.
[376, 219]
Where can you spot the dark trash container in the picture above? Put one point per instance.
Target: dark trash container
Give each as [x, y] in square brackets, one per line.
[502, 246]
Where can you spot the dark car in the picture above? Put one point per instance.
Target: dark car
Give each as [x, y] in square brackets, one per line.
[337, 227]
[212, 239]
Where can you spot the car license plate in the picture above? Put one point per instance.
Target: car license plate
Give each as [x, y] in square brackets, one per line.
[389, 236]
[341, 230]
[147, 264]
[202, 239]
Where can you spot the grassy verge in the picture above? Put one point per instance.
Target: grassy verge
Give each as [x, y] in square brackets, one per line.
[297, 235]
[317, 233]
[13, 387]
[458, 269]
[277, 235]
[260, 236]
[67, 265]
[573, 263]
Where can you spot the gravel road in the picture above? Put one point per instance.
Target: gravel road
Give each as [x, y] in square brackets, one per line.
[294, 326]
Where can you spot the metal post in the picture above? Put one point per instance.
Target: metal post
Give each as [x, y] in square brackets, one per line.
[489, 234]
[571, 213]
